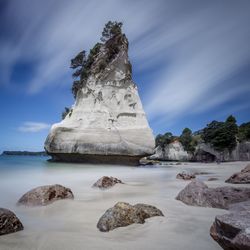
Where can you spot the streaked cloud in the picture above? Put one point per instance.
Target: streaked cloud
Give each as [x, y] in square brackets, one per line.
[196, 46]
[33, 127]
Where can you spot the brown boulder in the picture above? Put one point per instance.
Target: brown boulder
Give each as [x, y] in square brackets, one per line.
[242, 177]
[185, 176]
[232, 231]
[107, 182]
[196, 193]
[124, 214]
[9, 223]
[45, 195]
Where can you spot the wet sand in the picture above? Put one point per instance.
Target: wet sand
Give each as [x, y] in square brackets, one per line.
[71, 224]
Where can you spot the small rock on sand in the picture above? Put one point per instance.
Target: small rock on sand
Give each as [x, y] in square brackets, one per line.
[107, 182]
[124, 214]
[45, 195]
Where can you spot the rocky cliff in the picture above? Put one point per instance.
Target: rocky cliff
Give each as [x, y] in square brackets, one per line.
[203, 152]
[240, 153]
[172, 152]
[107, 123]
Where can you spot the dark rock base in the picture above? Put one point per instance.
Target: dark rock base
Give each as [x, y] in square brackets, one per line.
[9, 223]
[96, 159]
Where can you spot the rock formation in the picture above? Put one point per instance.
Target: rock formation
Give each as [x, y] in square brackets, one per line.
[197, 193]
[106, 182]
[242, 177]
[9, 223]
[171, 152]
[45, 195]
[185, 176]
[124, 214]
[107, 123]
[204, 152]
[231, 231]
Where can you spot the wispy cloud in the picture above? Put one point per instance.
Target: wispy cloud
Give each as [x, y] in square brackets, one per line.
[33, 127]
[196, 45]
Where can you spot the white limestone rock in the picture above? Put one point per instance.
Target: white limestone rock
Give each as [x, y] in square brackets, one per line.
[107, 123]
[171, 152]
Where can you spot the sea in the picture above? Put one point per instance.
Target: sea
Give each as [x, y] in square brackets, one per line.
[71, 224]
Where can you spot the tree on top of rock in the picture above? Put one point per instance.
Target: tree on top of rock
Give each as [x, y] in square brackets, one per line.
[244, 132]
[78, 64]
[163, 140]
[221, 135]
[82, 64]
[232, 131]
[79, 60]
[186, 140]
[110, 30]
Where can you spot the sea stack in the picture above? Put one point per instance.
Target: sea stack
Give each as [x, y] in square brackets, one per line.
[107, 123]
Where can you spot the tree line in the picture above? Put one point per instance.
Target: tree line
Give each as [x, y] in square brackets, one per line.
[220, 135]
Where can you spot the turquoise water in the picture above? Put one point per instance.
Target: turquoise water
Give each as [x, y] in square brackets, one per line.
[19, 174]
[10, 163]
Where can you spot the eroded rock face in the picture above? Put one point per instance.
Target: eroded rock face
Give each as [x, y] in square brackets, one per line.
[9, 223]
[107, 123]
[185, 176]
[242, 177]
[45, 195]
[124, 214]
[197, 193]
[205, 152]
[232, 231]
[171, 152]
[106, 182]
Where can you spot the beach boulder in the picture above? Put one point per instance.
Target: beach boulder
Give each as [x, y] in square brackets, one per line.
[45, 195]
[9, 223]
[124, 214]
[232, 231]
[242, 177]
[106, 182]
[185, 176]
[197, 193]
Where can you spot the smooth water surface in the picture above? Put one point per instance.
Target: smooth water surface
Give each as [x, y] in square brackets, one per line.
[71, 224]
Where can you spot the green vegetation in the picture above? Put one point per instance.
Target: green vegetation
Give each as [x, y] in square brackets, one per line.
[110, 30]
[244, 132]
[220, 135]
[187, 140]
[163, 140]
[83, 65]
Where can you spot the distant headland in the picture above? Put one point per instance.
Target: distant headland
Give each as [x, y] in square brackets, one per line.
[25, 153]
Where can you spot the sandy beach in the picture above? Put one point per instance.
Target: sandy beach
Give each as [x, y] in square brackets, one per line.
[71, 224]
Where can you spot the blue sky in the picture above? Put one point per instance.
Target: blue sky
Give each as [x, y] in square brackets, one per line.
[191, 61]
